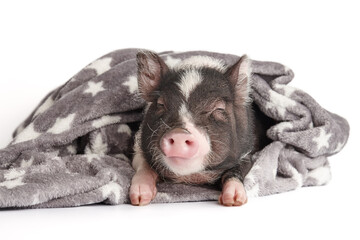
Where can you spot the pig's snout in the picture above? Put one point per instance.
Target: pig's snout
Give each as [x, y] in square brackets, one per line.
[179, 143]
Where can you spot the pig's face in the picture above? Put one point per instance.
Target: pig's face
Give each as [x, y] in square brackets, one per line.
[196, 123]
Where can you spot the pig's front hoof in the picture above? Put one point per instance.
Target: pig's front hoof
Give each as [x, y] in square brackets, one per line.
[233, 193]
[141, 194]
[143, 189]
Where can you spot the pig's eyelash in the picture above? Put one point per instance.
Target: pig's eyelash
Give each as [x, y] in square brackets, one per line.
[167, 126]
[153, 131]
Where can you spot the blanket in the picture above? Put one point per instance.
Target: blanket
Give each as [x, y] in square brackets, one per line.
[75, 148]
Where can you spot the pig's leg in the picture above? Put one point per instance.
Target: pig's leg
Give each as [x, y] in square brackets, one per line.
[233, 191]
[143, 184]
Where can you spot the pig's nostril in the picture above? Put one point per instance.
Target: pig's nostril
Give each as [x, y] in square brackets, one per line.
[179, 145]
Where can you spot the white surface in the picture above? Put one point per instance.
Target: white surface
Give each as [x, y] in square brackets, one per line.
[43, 44]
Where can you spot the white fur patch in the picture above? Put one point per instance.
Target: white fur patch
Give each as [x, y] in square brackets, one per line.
[184, 112]
[200, 62]
[62, 124]
[188, 82]
[171, 62]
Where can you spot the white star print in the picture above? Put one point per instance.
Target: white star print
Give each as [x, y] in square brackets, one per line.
[46, 105]
[132, 84]
[123, 128]
[28, 163]
[10, 184]
[28, 133]
[100, 65]
[94, 88]
[105, 120]
[283, 126]
[322, 140]
[13, 179]
[13, 173]
[62, 124]
[339, 146]
[111, 188]
[99, 146]
[171, 62]
[91, 157]
[288, 90]
[279, 102]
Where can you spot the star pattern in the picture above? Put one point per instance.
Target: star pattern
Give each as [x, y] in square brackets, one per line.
[105, 120]
[13, 179]
[101, 65]
[28, 163]
[62, 124]
[124, 128]
[91, 157]
[94, 88]
[288, 90]
[279, 102]
[13, 174]
[132, 84]
[322, 140]
[27, 134]
[46, 105]
[111, 188]
[339, 146]
[10, 184]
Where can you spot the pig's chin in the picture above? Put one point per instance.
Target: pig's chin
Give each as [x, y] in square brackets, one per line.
[185, 166]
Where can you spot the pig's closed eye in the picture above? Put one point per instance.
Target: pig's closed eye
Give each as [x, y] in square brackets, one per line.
[160, 103]
[219, 113]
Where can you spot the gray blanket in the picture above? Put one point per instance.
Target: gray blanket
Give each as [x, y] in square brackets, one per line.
[75, 148]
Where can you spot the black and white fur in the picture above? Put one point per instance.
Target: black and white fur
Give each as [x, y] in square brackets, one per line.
[212, 97]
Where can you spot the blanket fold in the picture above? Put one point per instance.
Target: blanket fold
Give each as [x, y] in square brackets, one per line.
[75, 148]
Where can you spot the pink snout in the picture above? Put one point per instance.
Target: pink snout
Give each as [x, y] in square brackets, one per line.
[179, 143]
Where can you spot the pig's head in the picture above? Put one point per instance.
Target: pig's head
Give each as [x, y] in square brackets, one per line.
[198, 122]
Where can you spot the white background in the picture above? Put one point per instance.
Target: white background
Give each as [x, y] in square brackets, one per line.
[42, 44]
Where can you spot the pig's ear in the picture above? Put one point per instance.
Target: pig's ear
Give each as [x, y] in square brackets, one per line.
[240, 78]
[151, 68]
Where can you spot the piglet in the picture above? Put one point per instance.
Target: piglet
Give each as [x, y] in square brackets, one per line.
[198, 126]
